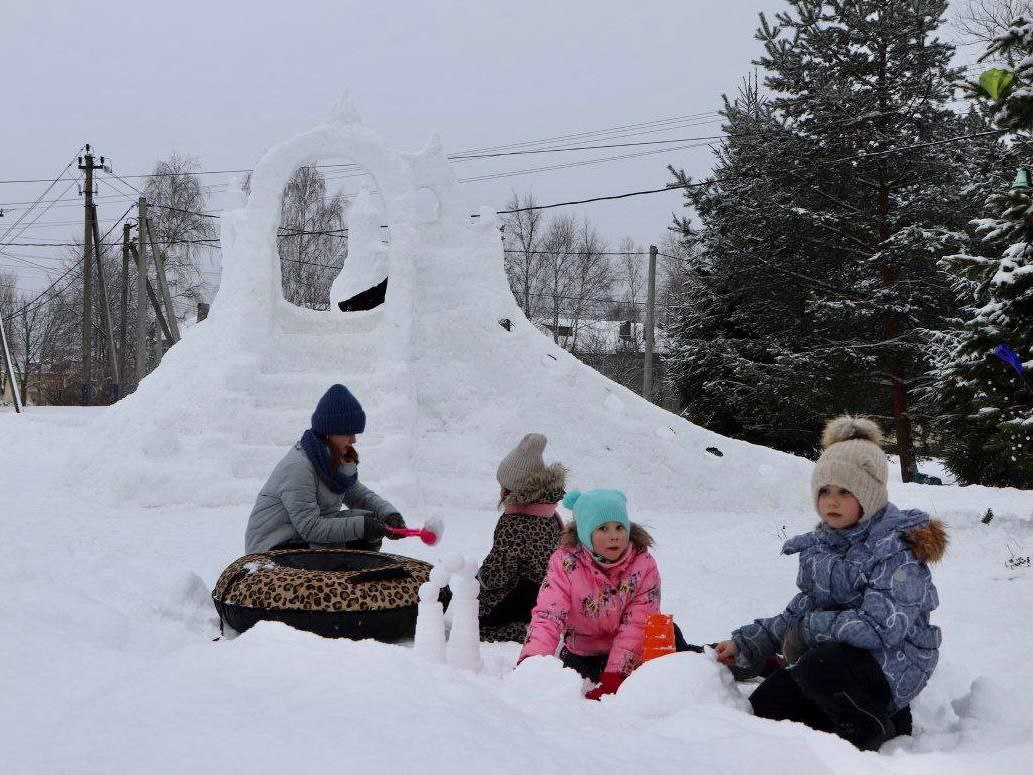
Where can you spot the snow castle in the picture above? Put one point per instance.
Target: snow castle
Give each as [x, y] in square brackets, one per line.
[445, 386]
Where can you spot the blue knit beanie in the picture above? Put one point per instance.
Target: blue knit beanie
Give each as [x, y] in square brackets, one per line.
[338, 413]
[594, 508]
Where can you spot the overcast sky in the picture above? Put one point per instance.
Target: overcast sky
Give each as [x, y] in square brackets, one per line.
[222, 81]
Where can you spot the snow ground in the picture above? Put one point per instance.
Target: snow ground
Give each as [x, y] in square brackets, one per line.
[115, 523]
[109, 664]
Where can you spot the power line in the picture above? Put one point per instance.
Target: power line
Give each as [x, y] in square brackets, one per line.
[68, 271]
[517, 149]
[670, 187]
[676, 122]
[32, 206]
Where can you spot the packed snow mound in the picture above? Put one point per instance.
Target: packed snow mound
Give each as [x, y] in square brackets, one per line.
[543, 679]
[445, 385]
[667, 685]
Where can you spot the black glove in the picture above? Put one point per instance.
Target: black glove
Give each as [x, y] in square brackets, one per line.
[793, 645]
[394, 520]
[372, 528]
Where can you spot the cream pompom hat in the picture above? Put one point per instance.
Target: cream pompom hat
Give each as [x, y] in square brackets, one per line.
[853, 459]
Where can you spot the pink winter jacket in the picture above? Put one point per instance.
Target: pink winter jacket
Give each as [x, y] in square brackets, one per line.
[596, 608]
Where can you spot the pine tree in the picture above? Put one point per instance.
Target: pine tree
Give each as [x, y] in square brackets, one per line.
[986, 404]
[740, 320]
[859, 200]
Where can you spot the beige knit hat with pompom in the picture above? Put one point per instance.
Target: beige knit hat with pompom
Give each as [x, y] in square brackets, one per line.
[854, 461]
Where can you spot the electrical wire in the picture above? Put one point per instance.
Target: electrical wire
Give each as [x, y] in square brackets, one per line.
[68, 271]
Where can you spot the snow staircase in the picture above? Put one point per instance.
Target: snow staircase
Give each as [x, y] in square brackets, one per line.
[284, 383]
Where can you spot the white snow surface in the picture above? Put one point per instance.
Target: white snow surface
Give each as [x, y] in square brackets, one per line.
[117, 522]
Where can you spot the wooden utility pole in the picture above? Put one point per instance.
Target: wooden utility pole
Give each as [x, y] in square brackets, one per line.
[86, 165]
[9, 364]
[163, 286]
[123, 324]
[105, 310]
[155, 304]
[141, 291]
[647, 366]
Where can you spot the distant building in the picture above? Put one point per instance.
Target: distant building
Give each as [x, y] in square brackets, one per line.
[616, 349]
[57, 387]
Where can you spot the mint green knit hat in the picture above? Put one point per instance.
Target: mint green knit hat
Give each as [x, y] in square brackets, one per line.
[594, 508]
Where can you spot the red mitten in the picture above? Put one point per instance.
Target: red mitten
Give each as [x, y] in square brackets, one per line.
[608, 684]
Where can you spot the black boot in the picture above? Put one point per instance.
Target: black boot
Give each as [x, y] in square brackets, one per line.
[902, 721]
[848, 685]
[866, 728]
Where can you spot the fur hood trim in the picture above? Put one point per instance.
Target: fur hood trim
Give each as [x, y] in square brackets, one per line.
[640, 539]
[928, 542]
[546, 485]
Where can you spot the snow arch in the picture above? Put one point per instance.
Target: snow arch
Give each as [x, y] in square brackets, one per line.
[250, 276]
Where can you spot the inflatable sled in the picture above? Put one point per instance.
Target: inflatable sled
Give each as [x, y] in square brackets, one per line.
[337, 593]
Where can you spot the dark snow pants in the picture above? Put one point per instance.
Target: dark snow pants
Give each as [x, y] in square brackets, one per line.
[836, 688]
[509, 618]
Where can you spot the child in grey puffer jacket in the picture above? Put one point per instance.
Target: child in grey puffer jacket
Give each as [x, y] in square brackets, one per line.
[857, 637]
[301, 501]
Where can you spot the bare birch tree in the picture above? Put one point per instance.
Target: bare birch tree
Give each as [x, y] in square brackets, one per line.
[980, 21]
[312, 242]
[592, 277]
[558, 268]
[631, 277]
[524, 235]
[182, 227]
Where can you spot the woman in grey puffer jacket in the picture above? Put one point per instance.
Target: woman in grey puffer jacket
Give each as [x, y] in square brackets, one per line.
[857, 637]
[301, 501]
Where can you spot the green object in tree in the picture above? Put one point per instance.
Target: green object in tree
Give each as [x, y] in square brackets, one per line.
[1022, 180]
[997, 82]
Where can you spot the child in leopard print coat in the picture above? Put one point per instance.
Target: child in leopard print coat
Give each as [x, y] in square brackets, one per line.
[527, 533]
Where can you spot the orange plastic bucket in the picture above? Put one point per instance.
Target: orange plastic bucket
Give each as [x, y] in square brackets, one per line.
[659, 637]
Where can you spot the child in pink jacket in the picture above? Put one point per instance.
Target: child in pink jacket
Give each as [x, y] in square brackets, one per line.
[601, 585]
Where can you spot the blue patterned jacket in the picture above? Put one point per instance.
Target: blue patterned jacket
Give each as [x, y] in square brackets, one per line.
[868, 586]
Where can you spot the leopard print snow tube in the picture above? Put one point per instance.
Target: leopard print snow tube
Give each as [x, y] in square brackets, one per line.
[337, 593]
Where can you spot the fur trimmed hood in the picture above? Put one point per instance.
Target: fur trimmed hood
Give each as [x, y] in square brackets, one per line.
[926, 538]
[928, 542]
[546, 485]
[640, 539]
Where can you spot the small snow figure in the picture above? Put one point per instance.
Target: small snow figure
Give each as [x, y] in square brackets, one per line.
[860, 644]
[429, 640]
[464, 642]
[463, 646]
